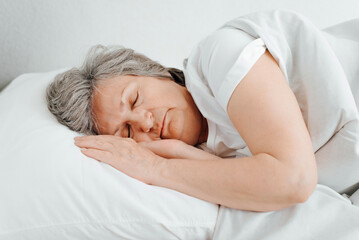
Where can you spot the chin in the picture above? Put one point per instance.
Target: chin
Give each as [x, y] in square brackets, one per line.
[190, 141]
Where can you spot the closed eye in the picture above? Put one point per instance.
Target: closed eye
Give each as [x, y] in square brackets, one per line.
[134, 103]
[128, 130]
[128, 125]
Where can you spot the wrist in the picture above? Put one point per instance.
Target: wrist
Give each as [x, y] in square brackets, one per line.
[158, 171]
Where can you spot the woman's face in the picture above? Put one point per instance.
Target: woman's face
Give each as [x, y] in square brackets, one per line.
[147, 109]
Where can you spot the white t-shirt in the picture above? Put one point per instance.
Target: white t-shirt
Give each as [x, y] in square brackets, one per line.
[214, 68]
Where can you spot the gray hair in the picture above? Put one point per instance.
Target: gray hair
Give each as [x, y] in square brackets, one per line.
[70, 95]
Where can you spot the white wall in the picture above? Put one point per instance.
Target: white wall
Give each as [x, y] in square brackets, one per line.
[42, 35]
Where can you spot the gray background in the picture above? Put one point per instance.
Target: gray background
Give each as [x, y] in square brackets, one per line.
[41, 35]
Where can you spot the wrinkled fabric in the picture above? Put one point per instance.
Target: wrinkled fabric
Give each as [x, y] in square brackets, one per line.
[325, 216]
[322, 69]
[215, 67]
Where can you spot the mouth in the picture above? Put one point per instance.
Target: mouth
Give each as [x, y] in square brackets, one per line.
[163, 125]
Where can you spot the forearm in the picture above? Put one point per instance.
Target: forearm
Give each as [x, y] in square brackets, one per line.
[258, 183]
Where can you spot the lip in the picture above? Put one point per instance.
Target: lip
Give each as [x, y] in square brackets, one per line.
[163, 124]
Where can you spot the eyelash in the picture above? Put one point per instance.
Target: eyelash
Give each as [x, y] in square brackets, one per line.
[134, 103]
[128, 125]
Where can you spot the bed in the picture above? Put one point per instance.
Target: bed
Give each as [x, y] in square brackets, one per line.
[49, 190]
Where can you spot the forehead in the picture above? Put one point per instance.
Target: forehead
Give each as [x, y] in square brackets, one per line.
[106, 102]
[108, 90]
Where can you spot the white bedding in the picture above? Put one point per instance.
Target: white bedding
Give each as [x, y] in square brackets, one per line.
[50, 190]
[323, 72]
[325, 216]
[322, 69]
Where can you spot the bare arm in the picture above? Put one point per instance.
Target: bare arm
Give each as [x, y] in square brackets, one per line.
[282, 170]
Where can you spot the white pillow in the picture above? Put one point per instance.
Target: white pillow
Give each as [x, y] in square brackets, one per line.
[49, 190]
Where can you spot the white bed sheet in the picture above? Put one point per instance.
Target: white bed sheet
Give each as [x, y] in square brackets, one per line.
[325, 216]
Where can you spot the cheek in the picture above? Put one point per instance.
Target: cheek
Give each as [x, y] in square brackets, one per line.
[175, 127]
[174, 96]
[185, 127]
[193, 126]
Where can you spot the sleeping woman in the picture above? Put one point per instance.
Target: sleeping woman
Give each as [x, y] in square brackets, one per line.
[241, 126]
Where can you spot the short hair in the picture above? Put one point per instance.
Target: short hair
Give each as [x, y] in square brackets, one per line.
[69, 97]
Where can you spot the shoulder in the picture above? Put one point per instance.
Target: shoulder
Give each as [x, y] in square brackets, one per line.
[220, 43]
[226, 38]
[222, 59]
[221, 49]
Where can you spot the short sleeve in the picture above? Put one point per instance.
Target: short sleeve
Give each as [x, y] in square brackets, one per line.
[227, 55]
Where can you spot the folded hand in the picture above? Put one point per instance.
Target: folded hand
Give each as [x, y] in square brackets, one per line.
[124, 154]
[172, 148]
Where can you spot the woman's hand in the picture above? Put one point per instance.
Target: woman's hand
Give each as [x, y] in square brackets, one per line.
[172, 148]
[124, 154]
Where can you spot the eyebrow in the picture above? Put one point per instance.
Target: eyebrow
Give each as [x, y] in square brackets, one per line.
[117, 126]
[122, 103]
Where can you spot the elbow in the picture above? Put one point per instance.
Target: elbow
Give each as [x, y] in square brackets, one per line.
[303, 194]
[302, 187]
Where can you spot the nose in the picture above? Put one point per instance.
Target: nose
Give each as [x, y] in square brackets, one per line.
[142, 120]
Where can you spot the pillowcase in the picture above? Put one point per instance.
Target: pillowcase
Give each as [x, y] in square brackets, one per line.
[50, 190]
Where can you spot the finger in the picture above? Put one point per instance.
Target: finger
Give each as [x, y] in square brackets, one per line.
[177, 149]
[166, 148]
[99, 155]
[91, 144]
[94, 142]
[95, 137]
[79, 138]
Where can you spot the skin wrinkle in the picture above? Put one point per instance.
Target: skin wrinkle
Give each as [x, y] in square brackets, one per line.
[183, 120]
